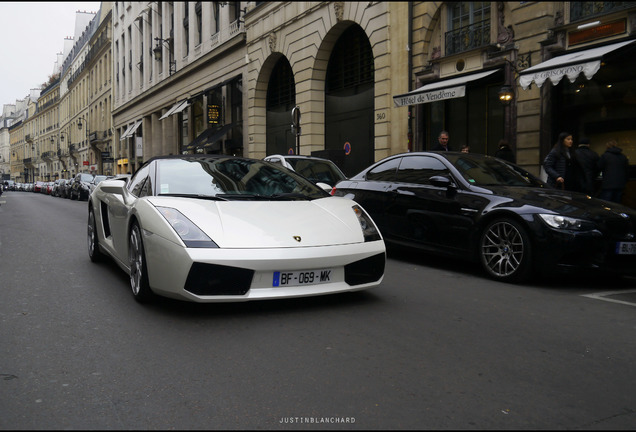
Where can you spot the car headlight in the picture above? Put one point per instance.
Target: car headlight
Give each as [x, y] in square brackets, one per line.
[566, 223]
[191, 234]
[369, 230]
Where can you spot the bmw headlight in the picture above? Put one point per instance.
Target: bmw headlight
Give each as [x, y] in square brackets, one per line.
[191, 234]
[566, 223]
[369, 230]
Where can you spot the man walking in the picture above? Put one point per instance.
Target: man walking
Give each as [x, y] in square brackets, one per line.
[442, 142]
[588, 160]
[615, 168]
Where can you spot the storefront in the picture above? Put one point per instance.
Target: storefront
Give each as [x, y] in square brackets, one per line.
[467, 106]
[591, 93]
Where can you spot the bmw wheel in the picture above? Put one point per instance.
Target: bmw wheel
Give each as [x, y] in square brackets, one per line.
[138, 269]
[93, 244]
[505, 251]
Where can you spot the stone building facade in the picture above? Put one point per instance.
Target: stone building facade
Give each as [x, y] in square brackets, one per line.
[364, 80]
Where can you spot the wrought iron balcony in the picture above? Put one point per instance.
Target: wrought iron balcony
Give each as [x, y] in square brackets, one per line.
[588, 9]
[48, 155]
[468, 38]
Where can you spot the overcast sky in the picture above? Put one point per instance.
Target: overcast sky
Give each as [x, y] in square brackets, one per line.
[31, 34]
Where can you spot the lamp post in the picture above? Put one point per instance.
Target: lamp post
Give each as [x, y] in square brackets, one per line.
[158, 53]
[80, 125]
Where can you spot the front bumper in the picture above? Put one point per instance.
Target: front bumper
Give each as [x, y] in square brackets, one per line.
[230, 275]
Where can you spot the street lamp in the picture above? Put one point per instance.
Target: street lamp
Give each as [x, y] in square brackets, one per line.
[506, 94]
[158, 52]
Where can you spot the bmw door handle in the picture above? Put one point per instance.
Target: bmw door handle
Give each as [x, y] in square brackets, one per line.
[405, 192]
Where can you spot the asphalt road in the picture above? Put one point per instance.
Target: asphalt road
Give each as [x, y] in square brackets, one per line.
[436, 346]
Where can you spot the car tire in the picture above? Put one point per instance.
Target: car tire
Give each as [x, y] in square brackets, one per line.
[505, 251]
[138, 268]
[93, 243]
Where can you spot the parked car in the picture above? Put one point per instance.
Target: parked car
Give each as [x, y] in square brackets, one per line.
[214, 228]
[67, 188]
[80, 189]
[477, 207]
[56, 184]
[49, 188]
[9, 185]
[37, 186]
[59, 187]
[96, 180]
[317, 170]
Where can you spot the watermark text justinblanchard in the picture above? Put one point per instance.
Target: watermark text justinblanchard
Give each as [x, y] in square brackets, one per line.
[318, 420]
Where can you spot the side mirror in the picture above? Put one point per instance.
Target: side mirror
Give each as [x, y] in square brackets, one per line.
[324, 186]
[115, 187]
[440, 181]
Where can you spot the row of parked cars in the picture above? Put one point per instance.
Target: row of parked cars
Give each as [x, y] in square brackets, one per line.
[76, 188]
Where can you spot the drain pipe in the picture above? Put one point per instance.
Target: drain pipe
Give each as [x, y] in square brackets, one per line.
[410, 74]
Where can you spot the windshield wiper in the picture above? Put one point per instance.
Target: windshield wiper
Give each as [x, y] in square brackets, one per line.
[291, 196]
[227, 196]
[198, 196]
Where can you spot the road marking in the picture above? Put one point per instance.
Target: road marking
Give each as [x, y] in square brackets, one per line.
[603, 295]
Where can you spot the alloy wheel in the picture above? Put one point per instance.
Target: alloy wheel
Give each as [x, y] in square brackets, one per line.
[504, 249]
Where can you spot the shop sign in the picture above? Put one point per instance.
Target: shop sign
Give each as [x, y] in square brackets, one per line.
[214, 114]
[431, 96]
[85, 163]
[598, 32]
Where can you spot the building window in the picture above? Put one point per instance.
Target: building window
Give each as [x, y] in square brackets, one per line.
[186, 29]
[468, 26]
[197, 11]
[216, 17]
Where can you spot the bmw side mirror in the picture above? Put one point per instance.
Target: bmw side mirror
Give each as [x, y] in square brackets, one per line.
[440, 181]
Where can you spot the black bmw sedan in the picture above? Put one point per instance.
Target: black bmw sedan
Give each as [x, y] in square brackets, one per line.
[484, 209]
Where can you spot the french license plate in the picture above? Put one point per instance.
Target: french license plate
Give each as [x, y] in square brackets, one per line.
[305, 277]
[626, 248]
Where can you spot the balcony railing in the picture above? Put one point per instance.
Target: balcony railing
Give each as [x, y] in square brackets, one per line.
[227, 33]
[589, 9]
[468, 38]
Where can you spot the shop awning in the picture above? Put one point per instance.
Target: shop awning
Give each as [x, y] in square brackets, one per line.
[131, 130]
[209, 137]
[587, 62]
[440, 90]
[176, 108]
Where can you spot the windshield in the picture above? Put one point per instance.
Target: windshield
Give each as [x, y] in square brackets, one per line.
[232, 178]
[486, 171]
[86, 177]
[317, 170]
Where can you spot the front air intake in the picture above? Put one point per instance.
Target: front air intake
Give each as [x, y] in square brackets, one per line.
[212, 279]
[365, 271]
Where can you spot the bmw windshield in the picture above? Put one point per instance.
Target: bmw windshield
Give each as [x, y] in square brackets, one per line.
[481, 170]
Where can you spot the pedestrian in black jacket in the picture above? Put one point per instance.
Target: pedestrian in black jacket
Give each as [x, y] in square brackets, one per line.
[561, 166]
[615, 168]
[505, 152]
[442, 144]
[588, 161]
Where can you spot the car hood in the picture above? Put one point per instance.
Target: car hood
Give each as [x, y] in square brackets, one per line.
[271, 224]
[563, 202]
